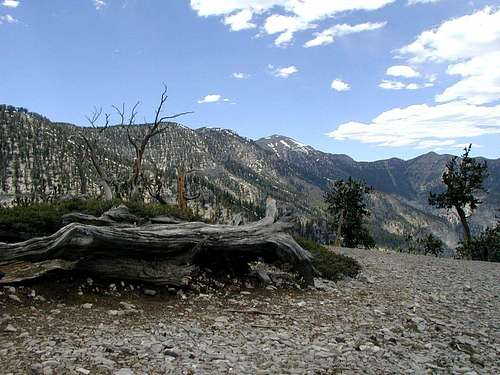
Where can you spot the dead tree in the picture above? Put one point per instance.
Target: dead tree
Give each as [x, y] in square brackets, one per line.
[182, 196]
[140, 145]
[163, 254]
[91, 145]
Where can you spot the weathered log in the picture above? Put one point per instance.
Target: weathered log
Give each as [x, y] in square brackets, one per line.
[14, 272]
[159, 254]
[117, 216]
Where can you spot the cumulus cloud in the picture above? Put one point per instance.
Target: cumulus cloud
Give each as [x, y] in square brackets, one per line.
[10, 3]
[457, 39]
[300, 15]
[402, 71]
[470, 46]
[284, 72]
[339, 85]
[480, 83]
[239, 75]
[285, 26]
[240, 21]
[422, 123]
[7, 19]
[212, 98]
[328, 36]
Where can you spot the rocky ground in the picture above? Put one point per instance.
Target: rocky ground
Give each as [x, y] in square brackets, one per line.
[404, 315]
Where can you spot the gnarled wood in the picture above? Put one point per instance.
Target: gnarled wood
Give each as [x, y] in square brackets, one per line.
[117, 216]
[163, 254]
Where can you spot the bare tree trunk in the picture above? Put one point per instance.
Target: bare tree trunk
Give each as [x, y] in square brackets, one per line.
[338, 235]
[465, 225]
[182, 196]
[108, 193]
[181, 188]
[90, 144]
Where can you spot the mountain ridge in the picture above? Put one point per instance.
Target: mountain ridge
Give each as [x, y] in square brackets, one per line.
[237, 173]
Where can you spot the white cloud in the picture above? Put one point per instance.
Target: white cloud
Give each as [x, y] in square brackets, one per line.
[397, 85]
[10, 3]
[457, 39]
[7, 19]
[300, 14]
[402, 71]
[240, 21]
[285, 26]
[391, 85]
[239, 75]
[339, 85]
[470, 45]
[480, 83]
[284, 72]
[99, 4]
[310, 10]
[328, 36]
[212, 98]
[418, 123]
[414, 2]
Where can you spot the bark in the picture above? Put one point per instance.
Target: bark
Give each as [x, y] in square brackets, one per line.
[164, 254]
[339, 229]
[181, 188]
[182, 196]
[465, 224]
[117, 216]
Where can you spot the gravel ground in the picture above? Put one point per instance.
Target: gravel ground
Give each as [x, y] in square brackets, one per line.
[404, 315]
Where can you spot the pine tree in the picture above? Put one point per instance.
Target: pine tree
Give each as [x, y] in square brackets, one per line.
[347, 204]
[463, 178]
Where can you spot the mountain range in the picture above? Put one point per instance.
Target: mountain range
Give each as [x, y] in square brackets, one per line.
[234, 175]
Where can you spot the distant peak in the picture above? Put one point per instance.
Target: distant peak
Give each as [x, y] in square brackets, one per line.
[281, 144]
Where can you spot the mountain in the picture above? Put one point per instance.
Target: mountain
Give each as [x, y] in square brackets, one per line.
[408, 181]
[234, 174]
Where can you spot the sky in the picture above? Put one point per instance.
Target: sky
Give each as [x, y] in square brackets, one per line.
[373, 79]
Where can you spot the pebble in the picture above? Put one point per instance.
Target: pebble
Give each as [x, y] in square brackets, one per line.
[124, 371]
[15, 298]
[10, 328]
[416, 316]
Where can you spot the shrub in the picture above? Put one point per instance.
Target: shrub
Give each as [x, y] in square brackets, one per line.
[331, 265]
[421, 243]
[485, 247]
[431, 244]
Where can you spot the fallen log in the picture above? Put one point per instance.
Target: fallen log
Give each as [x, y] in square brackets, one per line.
[117, 216]
[163, 254]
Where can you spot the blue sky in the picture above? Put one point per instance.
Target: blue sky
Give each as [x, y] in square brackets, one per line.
[369, 78]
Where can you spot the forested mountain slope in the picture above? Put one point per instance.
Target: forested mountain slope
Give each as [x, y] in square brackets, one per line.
[233, 174]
